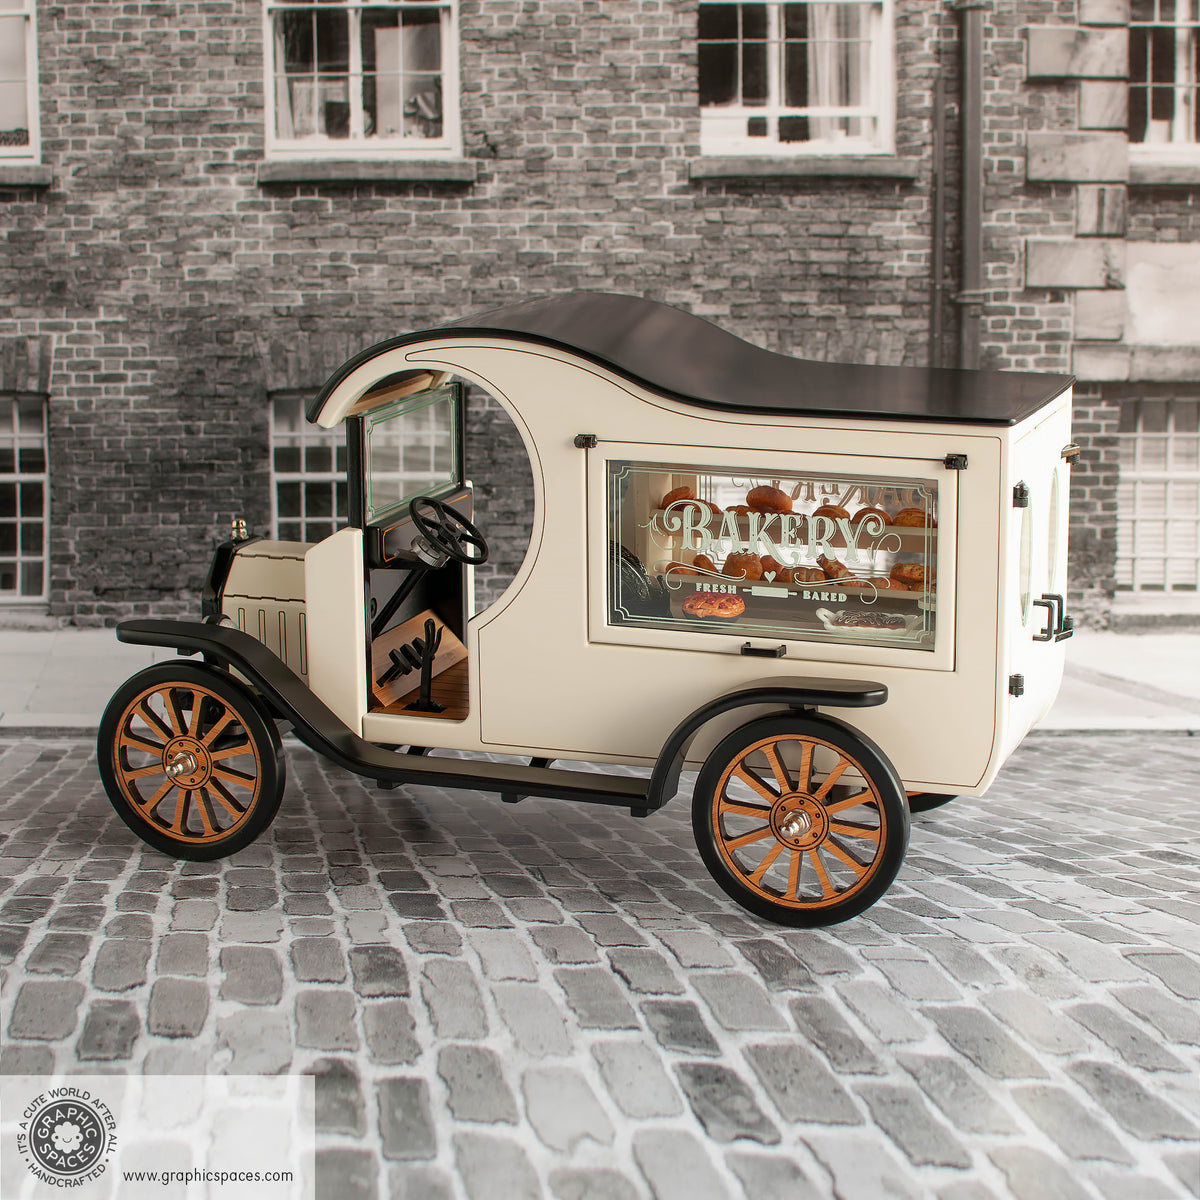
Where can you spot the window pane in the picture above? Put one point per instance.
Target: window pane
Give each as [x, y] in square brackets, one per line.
[8, 499]
[795, 74]
[294, 35]
[287, 458]
[423, 106]
[718, 21]
[793, 129]
[754, 73]
[31, 579]
[333, 43]
[289, 500]
[754, 21]
[318, 458]
[795, 20]
[318, 499]
[31, 416]
[33, 460]
[289, 531]
[31, 499]
[718, 74]
[422, 40]
[8, 460]
[8, 537]
[8, 577]
[31, 538]
[12, 48]
[14, 116]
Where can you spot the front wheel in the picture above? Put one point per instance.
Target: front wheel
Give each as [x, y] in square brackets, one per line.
[800, 819]
[189, 761]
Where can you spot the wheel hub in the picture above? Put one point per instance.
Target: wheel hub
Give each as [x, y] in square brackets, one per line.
[799, 821]
[186, 763]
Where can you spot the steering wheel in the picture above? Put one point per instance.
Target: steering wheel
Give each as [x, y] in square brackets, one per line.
[450, 533]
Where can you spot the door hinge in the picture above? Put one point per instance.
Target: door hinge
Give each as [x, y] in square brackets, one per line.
[585, 441]
[1016, 685]
[1021, 495]
[955, 462]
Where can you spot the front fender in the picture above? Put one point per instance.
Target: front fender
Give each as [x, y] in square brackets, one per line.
[794, 694]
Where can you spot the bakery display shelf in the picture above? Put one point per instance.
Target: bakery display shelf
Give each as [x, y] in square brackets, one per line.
[795, 607]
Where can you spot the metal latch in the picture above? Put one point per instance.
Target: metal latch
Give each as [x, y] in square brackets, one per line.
[1059, 626]
[1016, 685]
[1071, 452]
[1021, 495]
[955, 462]
[763, 651]
[585, 441]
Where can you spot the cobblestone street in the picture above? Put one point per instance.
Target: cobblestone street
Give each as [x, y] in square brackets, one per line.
[501, 1002]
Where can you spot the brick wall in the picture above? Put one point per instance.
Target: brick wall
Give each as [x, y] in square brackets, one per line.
[1093, 510]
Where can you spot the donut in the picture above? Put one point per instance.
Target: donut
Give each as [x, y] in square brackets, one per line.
[802, 575]
[872, 512]
[708, 604]
[679, 493]
[767, 499]
[742, 565]
[914, 518]
[835, 512]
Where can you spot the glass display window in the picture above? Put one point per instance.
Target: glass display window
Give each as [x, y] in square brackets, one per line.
[839, 558]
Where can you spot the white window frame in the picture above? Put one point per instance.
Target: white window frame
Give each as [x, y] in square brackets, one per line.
[9, 436]
[357, 146]
[1183, 140]
[881, 96]
[302, 436]
[32, 152]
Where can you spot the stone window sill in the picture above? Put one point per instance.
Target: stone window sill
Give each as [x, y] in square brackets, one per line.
[323, 170]
[25, 175]
[828, 166]
[1159, 172]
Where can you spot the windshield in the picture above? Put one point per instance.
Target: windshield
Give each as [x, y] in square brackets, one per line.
[411, 450]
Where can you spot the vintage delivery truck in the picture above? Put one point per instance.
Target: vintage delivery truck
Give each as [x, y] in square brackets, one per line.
[835, 591]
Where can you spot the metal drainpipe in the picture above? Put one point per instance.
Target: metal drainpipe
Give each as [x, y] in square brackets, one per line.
[971, 295]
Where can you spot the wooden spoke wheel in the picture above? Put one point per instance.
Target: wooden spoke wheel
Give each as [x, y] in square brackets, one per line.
[189, 761]
[801, 820]
[920, 802]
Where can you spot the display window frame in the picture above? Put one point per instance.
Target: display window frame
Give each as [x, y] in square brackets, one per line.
[712, 637]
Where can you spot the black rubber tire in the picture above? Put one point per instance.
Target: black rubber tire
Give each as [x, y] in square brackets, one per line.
[885, 795]
[221, 699]
[920, 802]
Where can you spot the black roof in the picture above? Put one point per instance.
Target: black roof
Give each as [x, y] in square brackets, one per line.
[693, 361]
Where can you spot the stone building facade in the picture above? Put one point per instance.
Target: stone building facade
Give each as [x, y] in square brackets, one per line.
[209, 205]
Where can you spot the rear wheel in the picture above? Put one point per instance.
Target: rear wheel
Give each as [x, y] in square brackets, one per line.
[800, 819]
[189, 761]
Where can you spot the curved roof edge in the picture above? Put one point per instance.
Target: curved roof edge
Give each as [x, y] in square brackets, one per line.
[689, 359]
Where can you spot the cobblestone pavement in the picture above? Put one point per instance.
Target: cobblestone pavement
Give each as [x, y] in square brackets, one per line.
[549, 1000]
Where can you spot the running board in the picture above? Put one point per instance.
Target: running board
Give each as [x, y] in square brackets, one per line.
[321, 730]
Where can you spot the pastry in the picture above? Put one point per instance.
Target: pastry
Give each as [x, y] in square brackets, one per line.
[803, 575]
[767, 499]
[678, 568]
[703, 563]
[742, 565]
[872, 512]
[832, 568]
[770, 566]
[679, 493]
[708, 604]
[739, 508]
[910, 575]
[914, 518]
[713, 510]
[835, 512]
[870, 620]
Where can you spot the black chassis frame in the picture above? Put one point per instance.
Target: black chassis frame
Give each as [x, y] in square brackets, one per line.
[288, 698]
